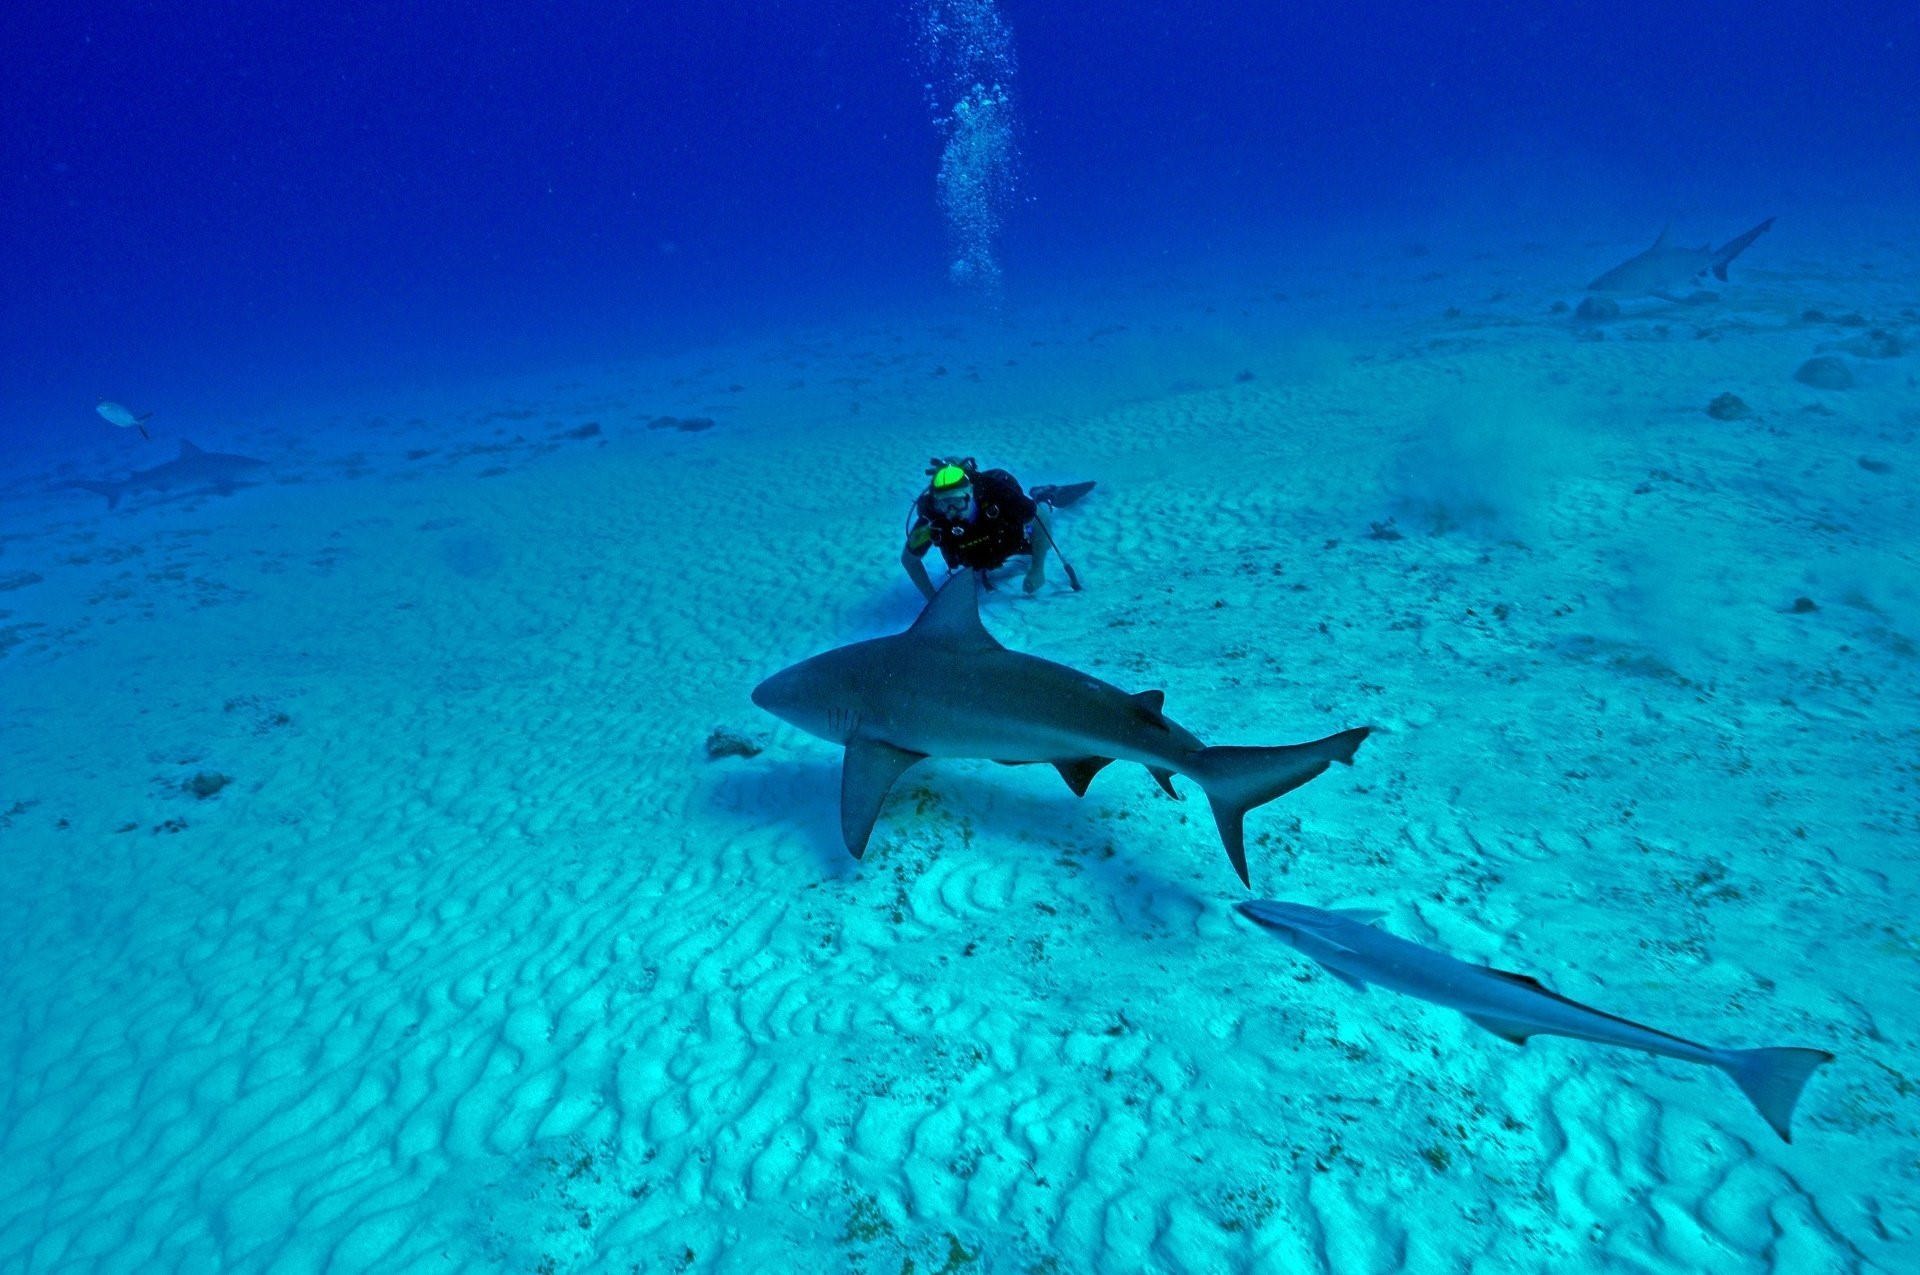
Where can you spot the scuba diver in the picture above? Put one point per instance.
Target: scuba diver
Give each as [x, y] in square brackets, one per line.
[980, 518]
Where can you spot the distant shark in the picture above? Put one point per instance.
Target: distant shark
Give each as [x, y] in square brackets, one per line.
[946, 688]
[192, 469]
[1664, 269]
[1345, 943]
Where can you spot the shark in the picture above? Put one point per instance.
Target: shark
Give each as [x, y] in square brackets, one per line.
[1346, 943]
[946, 688]
[192, 469]
[1665, 268]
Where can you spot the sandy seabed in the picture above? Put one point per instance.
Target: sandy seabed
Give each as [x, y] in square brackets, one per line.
[376, 901]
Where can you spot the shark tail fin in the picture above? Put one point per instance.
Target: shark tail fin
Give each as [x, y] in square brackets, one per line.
[111, 491]
[1772, 1080]
[1734, 247]
[1238, 779]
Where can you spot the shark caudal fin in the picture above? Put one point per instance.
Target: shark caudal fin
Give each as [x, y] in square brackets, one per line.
[112, 491]
[1772, 1080]
[1238, 779]
[1735, 247]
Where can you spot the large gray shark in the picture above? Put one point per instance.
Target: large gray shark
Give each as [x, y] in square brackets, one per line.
[1664, 269]
[192, 469]
[1513, 1006]
[945, 688]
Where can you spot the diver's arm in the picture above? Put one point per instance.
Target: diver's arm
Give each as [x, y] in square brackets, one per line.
[917, 572]
[1042, 541]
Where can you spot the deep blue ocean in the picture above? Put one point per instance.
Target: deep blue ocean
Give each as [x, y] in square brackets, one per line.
[231, 207]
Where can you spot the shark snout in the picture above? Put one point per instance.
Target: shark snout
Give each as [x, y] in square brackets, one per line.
[810, 698]
[766, 695]
[780, 695]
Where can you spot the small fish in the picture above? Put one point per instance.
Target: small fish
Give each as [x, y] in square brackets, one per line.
[1513, 1007]
[114, 414]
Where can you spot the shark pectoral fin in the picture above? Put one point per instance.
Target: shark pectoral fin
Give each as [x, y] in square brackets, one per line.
[1505, 1029]
[1165, 779]
[869, 773]
[1080, 773]
[1354, 981]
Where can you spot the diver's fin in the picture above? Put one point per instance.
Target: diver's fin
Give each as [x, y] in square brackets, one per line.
[1060, 495]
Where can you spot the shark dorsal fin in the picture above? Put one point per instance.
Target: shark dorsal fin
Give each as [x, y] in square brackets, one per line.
[1359, 916]
[1661, 240]
[953, 617]
[188, 449]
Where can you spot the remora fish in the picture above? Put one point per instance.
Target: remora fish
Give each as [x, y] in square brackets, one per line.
[114, 414]
[945, 688]
[1512, 1006]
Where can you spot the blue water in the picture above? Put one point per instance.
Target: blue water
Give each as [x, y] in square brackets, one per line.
[240, 205]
